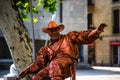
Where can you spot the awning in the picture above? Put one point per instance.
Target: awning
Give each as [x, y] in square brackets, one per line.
[115, 43]
[92, 44]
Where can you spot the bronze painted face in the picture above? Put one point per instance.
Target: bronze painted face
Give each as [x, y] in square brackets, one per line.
[54, 35]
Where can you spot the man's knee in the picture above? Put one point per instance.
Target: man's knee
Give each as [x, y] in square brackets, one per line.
[39, 77]
[35, 77]
[56, 78]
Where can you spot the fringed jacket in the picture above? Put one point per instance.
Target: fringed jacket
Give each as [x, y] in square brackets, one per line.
[67, 45]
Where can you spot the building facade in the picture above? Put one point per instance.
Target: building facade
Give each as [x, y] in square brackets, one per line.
[72, 13]
[106, 50]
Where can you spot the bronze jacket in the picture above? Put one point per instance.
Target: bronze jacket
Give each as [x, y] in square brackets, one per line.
[67, 44]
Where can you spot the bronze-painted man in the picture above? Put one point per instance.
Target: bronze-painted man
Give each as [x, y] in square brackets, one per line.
[58, 59]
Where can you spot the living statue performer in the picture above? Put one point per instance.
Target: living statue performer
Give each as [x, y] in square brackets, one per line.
[58, 59]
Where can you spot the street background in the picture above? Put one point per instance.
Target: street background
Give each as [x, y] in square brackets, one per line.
[96, 73]
[99, 73]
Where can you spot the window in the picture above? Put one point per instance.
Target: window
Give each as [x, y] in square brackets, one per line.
[115, 55]
[90, 25]
[89, 20]
[116, 21]
[90, 2]
[115, 0]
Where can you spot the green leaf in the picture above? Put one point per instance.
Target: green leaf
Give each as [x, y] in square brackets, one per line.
[39, 3]
[35, 20]
[46, 8]
[19, 3]
[50, 5]
[26, 19]
[35, 10]
[26, 5]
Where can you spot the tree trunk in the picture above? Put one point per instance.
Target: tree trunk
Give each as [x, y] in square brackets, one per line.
[16, 34]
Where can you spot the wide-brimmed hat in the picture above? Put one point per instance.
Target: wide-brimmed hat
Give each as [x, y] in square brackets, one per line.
[52, 26]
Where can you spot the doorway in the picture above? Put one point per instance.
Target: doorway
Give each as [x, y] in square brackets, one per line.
[115, 55]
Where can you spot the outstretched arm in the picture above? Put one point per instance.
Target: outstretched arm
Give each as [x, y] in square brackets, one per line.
[98, 30]
[86, 37]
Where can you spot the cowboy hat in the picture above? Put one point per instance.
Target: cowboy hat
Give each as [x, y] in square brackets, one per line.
[52, 26]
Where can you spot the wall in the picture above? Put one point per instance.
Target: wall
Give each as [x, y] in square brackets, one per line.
[102, 49]
[75, 15]
[75, 18]
[102, 14]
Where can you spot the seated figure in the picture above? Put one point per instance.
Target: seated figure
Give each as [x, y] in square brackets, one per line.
[57, 60]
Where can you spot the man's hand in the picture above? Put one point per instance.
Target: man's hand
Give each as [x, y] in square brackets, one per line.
[101, 27]
[98, 30]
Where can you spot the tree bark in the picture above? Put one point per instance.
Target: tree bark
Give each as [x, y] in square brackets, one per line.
[16, 34]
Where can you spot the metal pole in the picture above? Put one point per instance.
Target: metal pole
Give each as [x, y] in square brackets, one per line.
[33, 36]
[46, 41]
[53, 18]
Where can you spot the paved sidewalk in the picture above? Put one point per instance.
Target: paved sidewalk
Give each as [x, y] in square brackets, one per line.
[97, 73]
[2, 73]
[107, 68]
